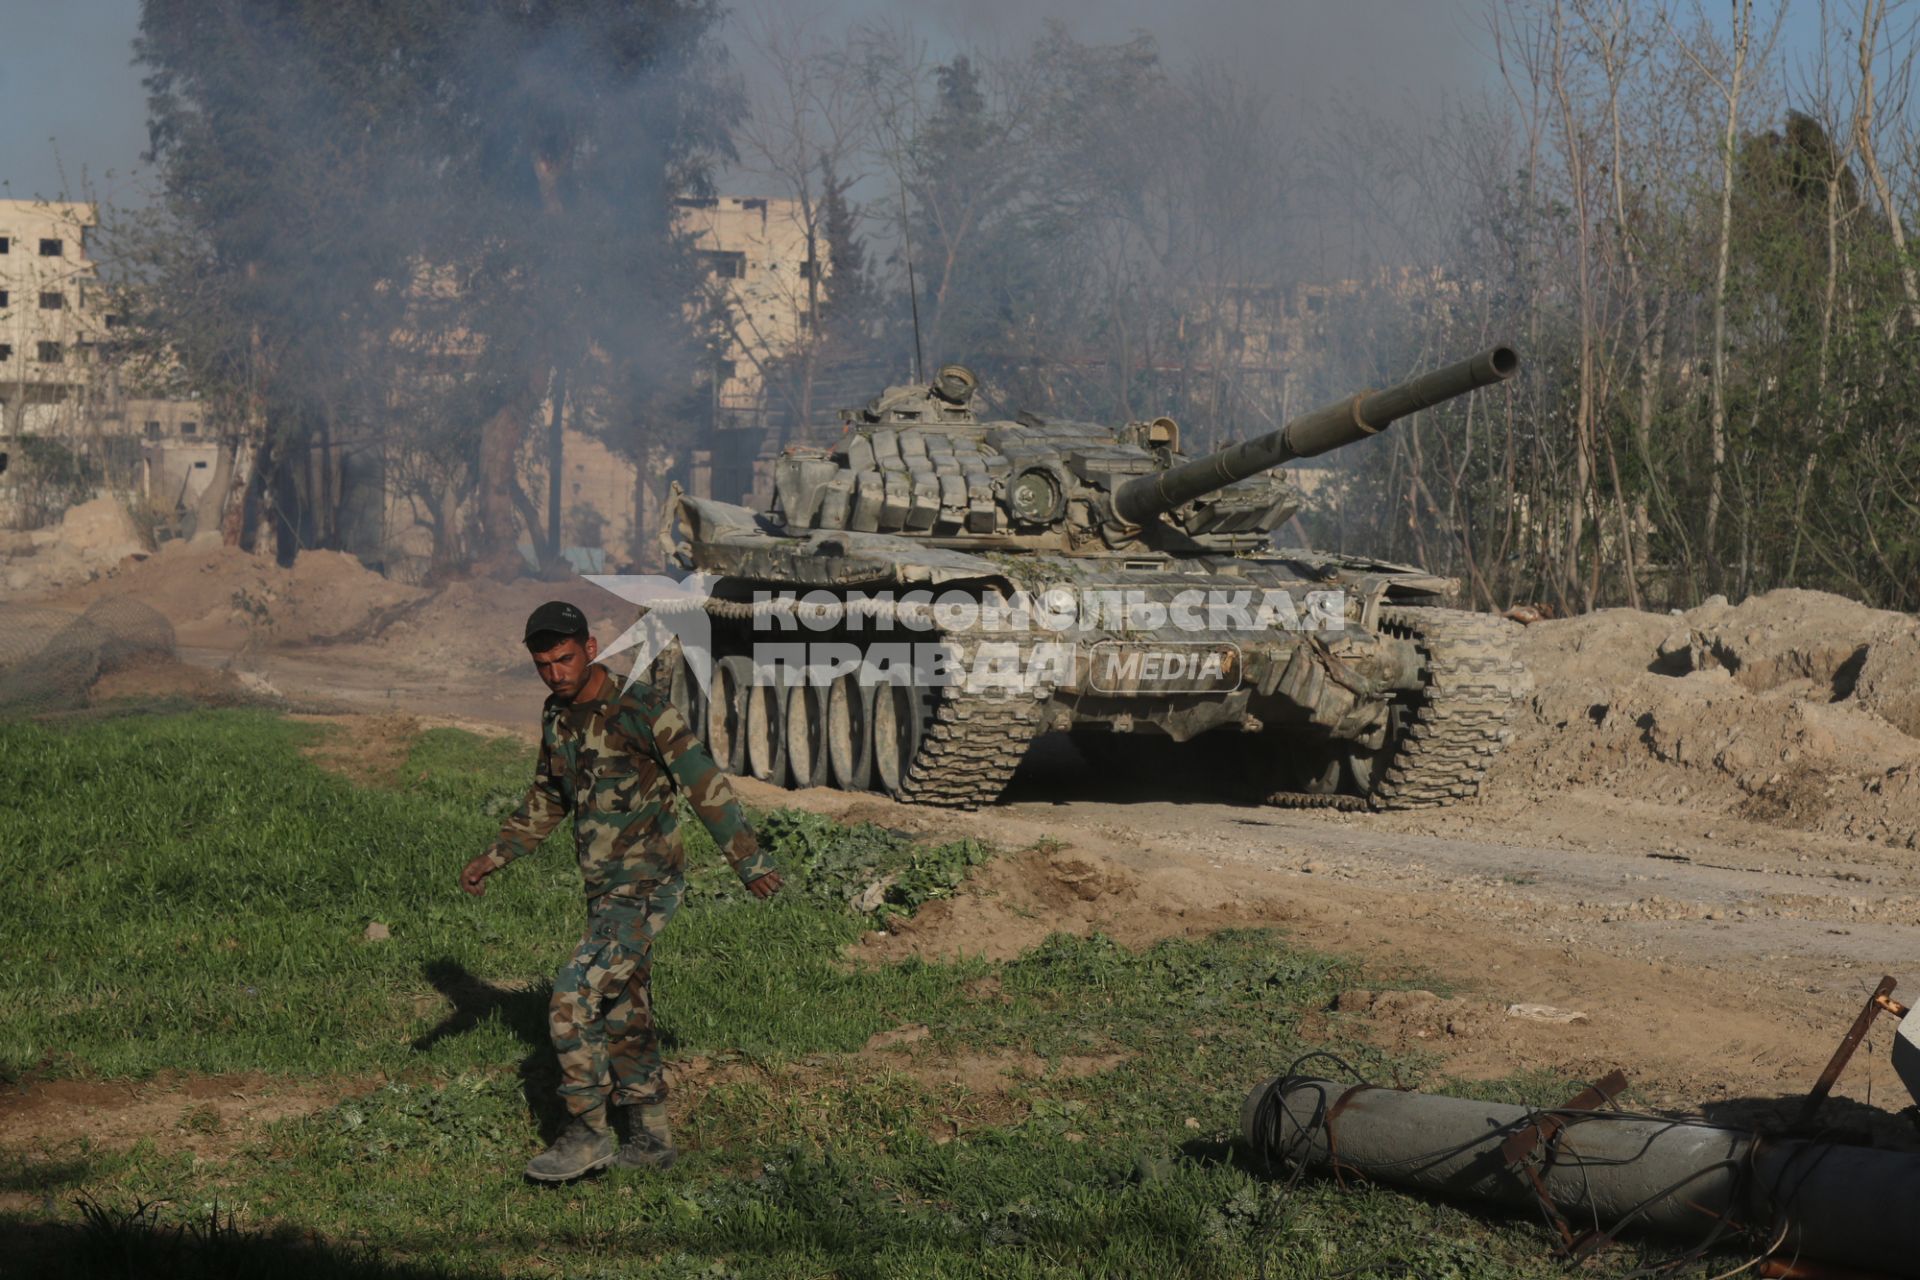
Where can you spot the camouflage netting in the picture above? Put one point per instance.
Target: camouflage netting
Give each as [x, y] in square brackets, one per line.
[50, 658]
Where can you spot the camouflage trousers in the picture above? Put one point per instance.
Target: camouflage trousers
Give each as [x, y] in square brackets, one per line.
[601, 1014]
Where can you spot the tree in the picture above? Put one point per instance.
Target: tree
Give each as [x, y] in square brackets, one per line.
[342, 173]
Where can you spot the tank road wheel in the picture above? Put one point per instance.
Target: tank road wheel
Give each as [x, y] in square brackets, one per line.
[727, 712]
[1367, 768]
[685, 695]
[1318, 773]
[766, 735]
[807, 734]
[849, 734]
[897, 726]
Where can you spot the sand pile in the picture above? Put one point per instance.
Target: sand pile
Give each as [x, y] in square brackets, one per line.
[89, 541]
[1795, 707]
[222, 595]
[475, 625]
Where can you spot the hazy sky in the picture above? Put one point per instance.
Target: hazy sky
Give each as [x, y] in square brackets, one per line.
[72, 113]
[72, 110]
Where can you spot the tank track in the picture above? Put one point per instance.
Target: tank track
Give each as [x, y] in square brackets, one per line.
[1317, 800]
[1474, 681]
[972, 745]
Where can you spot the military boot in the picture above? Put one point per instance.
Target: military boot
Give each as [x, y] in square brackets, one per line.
[578, 1151]
[649, 1143]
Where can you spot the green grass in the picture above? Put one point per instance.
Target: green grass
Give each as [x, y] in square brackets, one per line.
[187, 893]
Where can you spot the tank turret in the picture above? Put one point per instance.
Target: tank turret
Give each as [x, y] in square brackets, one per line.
[918, 461]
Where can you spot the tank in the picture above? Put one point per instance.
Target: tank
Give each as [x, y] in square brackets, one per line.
[917, 604]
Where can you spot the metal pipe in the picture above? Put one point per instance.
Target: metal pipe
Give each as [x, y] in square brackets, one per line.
[1841, 1204]
[1331, 427]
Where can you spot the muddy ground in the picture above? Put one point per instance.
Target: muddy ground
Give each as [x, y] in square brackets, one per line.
[1703, 839]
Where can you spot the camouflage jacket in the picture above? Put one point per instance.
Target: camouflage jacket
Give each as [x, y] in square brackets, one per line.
[615, 763]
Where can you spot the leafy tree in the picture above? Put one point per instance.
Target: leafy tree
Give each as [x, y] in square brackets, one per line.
[487, 179]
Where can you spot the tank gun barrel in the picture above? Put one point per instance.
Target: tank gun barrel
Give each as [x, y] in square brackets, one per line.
[1335, 426]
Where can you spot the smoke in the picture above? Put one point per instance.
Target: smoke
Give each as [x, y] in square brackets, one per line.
[1389, 54]
[1386, 53]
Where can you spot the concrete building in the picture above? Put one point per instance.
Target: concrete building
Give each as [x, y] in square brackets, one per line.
[179, 450]
[760, 261]
[50, 318]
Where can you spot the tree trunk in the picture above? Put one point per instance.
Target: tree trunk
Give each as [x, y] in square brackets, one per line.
[1717, 426]
[1870, 158]
[495, 552]
[556, 463]
[256, 506]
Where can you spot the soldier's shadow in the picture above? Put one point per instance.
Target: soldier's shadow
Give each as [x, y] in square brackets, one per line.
[522, 1009]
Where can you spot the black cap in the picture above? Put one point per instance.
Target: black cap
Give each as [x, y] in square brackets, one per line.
[557, 617]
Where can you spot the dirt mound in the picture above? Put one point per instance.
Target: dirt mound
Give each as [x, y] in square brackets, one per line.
[151, 678]
[89, 541]
[1015, 902]
[100, 527]
[475, 625]
[216, 595]
[1793, 707]
[53, 660]
[219, 596]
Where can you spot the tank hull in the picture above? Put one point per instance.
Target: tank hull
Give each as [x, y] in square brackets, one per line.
[1285, 676]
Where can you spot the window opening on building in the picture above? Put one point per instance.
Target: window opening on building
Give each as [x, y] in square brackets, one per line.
[3, 297]
[199, 466]
[6, 244]
[153, 429]
[52, 300]
[807, 268]
[189, 428]
[6, 351]
[52, 248]
[728, 264]
[50, 353]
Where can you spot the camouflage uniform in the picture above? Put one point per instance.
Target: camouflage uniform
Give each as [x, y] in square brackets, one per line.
[615, 762]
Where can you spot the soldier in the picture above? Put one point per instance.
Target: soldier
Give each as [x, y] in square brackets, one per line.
[615, 759]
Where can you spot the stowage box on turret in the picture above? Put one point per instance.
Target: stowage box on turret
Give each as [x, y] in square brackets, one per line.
[923, 599]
